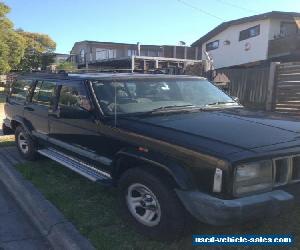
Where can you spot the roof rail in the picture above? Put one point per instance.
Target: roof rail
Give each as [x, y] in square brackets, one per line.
[110, 70]
[61, 75]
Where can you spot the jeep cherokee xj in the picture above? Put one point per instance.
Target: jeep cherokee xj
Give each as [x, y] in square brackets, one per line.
[174, 146]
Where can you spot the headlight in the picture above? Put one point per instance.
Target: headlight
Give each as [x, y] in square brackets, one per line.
[253, 177]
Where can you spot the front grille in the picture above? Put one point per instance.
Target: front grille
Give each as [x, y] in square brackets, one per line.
[286, 170]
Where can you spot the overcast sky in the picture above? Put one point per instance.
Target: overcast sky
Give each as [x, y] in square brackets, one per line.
[131, 21]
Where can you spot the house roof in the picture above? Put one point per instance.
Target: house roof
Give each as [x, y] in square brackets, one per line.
[126, 44]
[115, 43]
[225, 25]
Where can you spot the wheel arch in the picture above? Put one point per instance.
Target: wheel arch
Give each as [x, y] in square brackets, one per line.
[17, 121]
[166, 167]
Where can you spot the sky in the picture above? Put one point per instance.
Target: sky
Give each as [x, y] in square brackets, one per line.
[161, 22]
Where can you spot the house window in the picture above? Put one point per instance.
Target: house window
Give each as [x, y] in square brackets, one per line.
[112, 53]
[212, 45]
[131, 52]
[152, 53]
[103, 54]
[251, 32]
[288, 28]
[144, 52]
[82, 54]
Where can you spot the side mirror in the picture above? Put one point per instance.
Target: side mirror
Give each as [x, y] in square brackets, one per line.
[86, 105]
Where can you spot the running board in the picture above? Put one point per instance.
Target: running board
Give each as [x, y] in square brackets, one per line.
[77, 166]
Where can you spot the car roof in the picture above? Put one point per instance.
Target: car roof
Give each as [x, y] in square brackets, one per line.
[105, 76]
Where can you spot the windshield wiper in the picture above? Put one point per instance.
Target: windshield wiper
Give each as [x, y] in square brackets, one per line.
[172, 108]
[218, 103]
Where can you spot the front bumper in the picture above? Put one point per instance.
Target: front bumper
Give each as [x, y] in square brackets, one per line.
[215, 211]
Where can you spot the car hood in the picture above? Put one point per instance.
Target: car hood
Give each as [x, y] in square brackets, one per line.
[220, 131]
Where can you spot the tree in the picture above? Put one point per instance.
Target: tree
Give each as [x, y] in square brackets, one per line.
[11, 43]
[66, 66]
[38, 52]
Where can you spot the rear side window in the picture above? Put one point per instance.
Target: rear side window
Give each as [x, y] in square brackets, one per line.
[20, 90]
[44, 93]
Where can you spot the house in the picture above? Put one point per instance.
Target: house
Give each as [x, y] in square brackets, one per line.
[95, 55]
[59, 58]
[249, 41]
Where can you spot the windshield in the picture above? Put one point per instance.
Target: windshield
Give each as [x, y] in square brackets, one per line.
[147, 95]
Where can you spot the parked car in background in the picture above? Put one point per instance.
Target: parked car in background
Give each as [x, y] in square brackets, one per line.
[174, 146]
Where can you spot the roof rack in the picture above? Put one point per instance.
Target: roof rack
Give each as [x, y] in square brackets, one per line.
[45, 75]
[110, 70]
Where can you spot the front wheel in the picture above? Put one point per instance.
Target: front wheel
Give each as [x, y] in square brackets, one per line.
[150, 205]
[25, 144]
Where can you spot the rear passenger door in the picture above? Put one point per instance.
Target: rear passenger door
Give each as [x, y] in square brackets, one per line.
[18, 97]
[37, 109]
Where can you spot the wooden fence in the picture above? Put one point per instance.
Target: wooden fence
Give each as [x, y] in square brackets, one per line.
[273, 88]
[249, 85]
[286, 91]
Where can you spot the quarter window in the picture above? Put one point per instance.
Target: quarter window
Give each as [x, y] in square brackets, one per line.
[44, 93]
[20, 90]
[251, 32]
[212, 45]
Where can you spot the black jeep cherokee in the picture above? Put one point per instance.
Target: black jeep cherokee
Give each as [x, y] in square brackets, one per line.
[173, 145]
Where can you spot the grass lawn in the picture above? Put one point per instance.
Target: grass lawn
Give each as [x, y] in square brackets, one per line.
[93, 210]
[7, 140]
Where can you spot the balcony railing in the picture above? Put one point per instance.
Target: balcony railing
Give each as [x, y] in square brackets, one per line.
[284, 46]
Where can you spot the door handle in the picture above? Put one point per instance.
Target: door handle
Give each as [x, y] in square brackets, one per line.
[28, 108]
[54, 114]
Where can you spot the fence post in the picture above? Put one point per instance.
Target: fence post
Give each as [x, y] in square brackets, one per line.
[271, 83]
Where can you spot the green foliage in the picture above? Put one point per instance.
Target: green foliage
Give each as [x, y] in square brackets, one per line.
[66, 66]
[22, 50]
[12, 45]
[38, 52]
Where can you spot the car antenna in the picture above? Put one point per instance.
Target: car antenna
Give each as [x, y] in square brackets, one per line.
[115, 108]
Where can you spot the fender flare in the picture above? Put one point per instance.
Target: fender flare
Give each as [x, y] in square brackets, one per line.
[25, 124]
[178, 172]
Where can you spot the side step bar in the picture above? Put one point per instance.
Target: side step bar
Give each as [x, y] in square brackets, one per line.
[77, 166]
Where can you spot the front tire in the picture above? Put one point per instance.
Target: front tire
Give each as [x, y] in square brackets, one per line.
[151, 205]
[25, 144]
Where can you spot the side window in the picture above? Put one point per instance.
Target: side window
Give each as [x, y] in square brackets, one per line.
[44, 93]
[20, 90]
[73, 98]
[212, 45]
[251, 32]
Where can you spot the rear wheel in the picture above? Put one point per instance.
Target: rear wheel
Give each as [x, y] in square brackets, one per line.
[25, 144]
[6, 130]
[151, 205]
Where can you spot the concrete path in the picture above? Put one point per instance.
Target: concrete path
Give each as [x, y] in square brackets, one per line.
[2, 115]
[16, 230]
[27, 220]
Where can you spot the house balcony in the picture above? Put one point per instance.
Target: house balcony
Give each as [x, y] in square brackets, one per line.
[288, 46]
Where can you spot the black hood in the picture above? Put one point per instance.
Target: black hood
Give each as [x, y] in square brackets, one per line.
[218, 132]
